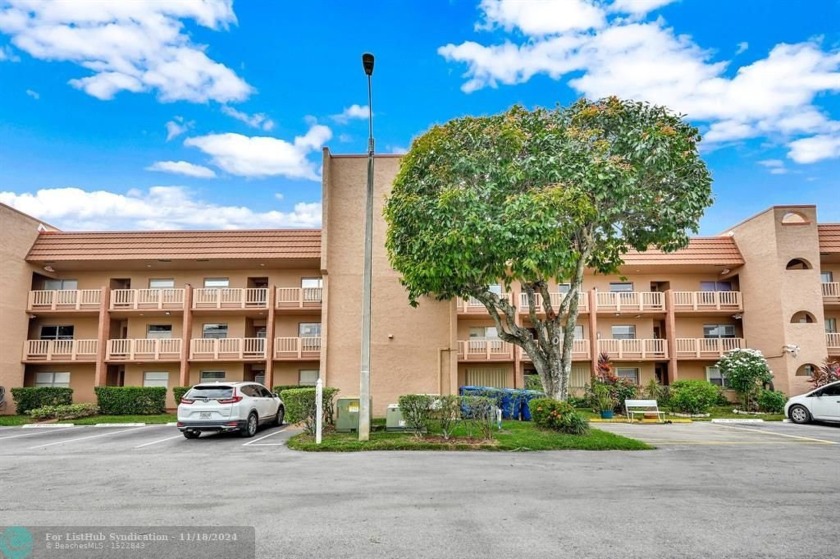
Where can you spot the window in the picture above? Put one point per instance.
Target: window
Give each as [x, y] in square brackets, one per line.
[159, 331]
[827, 277]
[624, 332]
[794, 218]
[495, 288]
[312, 283]
[156, 379]
[715, 286]
[497, 378]
[484, 333]
[621, 287]
[713, 375]
[578, 332]
[806, 370]
[308, 377]
[60, 284]
[312, 288]
[161, 283]
[210, 376]
[802, 317]
[215, 330]
[830, 325]
[628, 373]
[564, 288]
[798, 264]
[216, 282]
[309, 330]
[57, 332]
[52, 379]
[718, 330]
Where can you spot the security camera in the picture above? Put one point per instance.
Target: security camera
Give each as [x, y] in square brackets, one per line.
[793, 349]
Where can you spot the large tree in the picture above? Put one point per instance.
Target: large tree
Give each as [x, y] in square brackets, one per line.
[533, 196]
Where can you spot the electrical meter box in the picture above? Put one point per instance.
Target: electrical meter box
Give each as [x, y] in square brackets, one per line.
[347, 414]
[394, 419]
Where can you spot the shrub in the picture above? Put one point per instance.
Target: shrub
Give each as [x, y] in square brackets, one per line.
[416, 410]
[131, 400]
[558, 416]
[533, 382]
[446, 411]
[578, 402]
[281, 387]
[745, 371]
[693, 396]
[655, 391]
[178, 393]
[30, 398]
[771, 401]
[65, 411]
[620, 389]
[827, 373]
[300, 406]
[479, 414]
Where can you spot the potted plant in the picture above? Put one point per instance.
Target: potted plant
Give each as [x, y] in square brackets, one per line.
[603, 400]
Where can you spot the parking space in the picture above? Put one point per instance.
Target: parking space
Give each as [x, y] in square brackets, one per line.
[727, 434]
[132, 438]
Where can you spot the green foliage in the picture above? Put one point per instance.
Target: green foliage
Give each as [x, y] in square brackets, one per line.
[479, 415]
[328, 401]
[281, 387]
[416, 410]
[602, 398]
[446, 411]
[558, 416]
[131, 400]
[771, 401]
[67, 411]
[31, 398]
[693, 396]
[533, 382]
[746, 371]
[578, 402]
[178, 393]
[300, 406]
[827, 373]
[655, 391]
[608, 391]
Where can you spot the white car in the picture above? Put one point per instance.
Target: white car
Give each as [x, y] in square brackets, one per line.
[228, 406]
[822, 404]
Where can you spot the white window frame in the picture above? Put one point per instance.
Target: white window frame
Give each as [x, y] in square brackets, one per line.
[827, 277]
[721, 329]
[636, 373]
[210, 376]
[716, 379]
[158, 334]
[61, 284]
[216, 283]
[302, 327]
[49, 378]
[161, 283]
[72, 335]
[715, 286]
[161, 380]
[830, 325]
[632, 333]
[305, 377]
[564, 288]
[619, 287]
[312, 283]
[484, 333]
[220, 324]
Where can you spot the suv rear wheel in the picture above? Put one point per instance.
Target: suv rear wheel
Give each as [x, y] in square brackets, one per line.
[281, 414]
[192, 434]
[250, 428]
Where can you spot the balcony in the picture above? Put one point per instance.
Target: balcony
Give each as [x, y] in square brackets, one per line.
[147, 299]
[630, 301]
[65, 300]
[634, 349]
[59, 350]
[297, 348]
[145, 349]
[831, 292]
[474, 306]
[484, 350]
[705, 301]
[580, 351]
[227, 349]
[230, 298]
[556, 299]
[706, 348]
[299, 298]
[832, 342]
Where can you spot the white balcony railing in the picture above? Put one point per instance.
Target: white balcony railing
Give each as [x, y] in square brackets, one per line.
[230, 298]
[220, 349]
[832, 342]
[630, 301]
[727, 301]
[580, 351]
[297, 348]
[556, 299]
[484, 350]
[634, 349]
[831, 291]
[60, 350]
[299, 297]
[147, 299]
[145, 349]
[474, 306]
[706, 348]
[65, 300]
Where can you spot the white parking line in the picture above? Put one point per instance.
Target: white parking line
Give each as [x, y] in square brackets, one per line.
[811, 439]
[160, 441]
[33, 433]
[85, 438]
[277, 432]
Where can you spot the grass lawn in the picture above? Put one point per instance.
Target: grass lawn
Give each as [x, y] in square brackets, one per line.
[13, 420]
[719, 412]
[94, 419]
[514, 436]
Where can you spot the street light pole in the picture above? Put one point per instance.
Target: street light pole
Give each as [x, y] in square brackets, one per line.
[364, 373]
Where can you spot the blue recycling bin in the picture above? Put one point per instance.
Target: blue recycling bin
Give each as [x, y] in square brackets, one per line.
[527, 396]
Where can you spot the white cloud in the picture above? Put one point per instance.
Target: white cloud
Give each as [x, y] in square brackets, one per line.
[399, 150]
[742, 47]
[182, 168]
[258, 120]
[176, 127]
[775, 166]
[815, 148]
[638, 7]
[137, 45]
[540, 18]
[7, 55]
[34, 94]
[263, 156]
[161, 207]
[772, 97]
[350, 113]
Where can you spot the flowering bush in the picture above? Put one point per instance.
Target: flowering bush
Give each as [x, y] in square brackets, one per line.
[558, 416]
[747, 372]
[619, 389]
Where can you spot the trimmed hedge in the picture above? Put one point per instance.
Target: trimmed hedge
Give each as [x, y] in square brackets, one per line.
[178, 393]
[30, 398]
[131, 400]
[693, 396]
[772, 401]
[280, 388]
[300, 406]
[71, 411]
[558, 416]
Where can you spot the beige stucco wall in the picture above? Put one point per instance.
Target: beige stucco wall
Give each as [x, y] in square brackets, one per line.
[412, 349]
[81, 378]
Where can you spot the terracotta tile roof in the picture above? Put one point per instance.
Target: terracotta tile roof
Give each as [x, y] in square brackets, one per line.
[717, 251]
[176, 245]
[829, 238]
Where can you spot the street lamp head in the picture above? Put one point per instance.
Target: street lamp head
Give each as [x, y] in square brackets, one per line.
[367, 62]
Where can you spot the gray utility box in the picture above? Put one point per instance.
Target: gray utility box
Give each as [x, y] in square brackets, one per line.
[347, 414]
[394, 419]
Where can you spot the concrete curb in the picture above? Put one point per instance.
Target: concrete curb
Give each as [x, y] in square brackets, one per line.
[46, 425]
[736, 421]
[122, 424]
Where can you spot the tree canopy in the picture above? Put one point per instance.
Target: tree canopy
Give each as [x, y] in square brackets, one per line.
[532, 196]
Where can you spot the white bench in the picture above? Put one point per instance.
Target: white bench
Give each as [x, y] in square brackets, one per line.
[633, 407]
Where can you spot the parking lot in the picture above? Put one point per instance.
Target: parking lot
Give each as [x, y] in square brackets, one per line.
[709, 490]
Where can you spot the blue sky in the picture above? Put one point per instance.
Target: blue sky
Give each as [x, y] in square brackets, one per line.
[212, 114]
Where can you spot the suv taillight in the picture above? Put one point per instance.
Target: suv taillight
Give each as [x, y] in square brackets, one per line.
[186, 401]
[230, 400]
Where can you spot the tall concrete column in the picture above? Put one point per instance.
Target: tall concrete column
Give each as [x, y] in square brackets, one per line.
[101, 372]
[593, 330]
[671, 335]
[269, 337]
[186, 336]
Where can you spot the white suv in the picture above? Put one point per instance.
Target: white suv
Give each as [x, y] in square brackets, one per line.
[228, 406]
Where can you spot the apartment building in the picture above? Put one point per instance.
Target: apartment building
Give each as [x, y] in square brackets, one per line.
[86, 309]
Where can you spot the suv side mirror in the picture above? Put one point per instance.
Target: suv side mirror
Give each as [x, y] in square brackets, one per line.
[275, 394]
